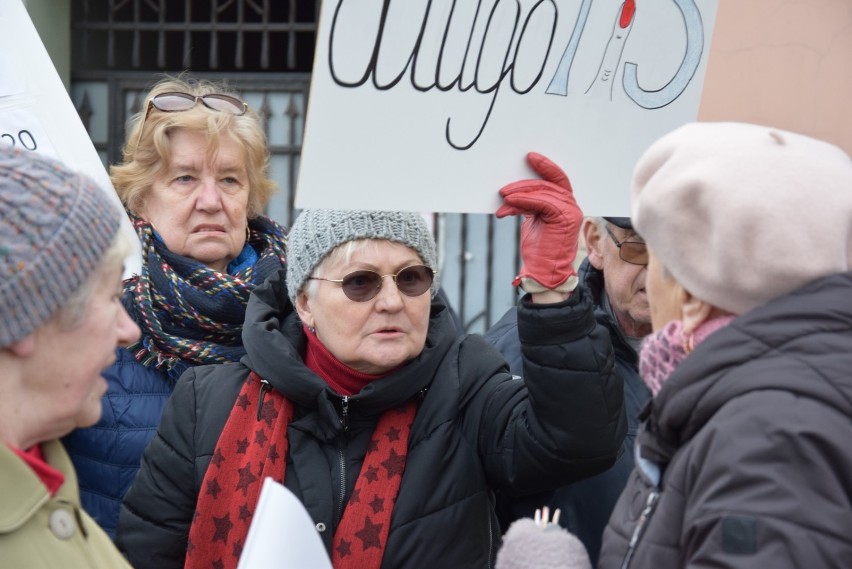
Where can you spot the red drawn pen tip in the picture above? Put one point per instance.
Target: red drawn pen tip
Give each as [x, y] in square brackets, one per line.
[628, 10]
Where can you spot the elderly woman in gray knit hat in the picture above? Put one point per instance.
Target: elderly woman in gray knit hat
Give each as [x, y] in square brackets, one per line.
[358, 395]
[61, 260]
[743, 459]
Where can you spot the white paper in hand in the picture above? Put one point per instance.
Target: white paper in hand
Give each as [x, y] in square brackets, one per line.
[282, 534]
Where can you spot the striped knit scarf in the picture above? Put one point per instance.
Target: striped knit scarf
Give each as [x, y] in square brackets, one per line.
[189, 313]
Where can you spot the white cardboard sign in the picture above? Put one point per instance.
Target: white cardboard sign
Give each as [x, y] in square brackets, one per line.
[282, 533]
[432, 105]
[20, 127]
[36, 112]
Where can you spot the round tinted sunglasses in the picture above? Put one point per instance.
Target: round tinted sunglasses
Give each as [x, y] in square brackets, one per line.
[633, 252]
[362, 286]
[175, 102]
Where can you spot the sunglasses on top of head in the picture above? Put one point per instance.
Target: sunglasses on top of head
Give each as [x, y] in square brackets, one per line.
[364, 285]
[175, 102]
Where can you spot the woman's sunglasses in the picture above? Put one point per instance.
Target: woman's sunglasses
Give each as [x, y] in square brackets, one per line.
[175, 102]
[362, 286]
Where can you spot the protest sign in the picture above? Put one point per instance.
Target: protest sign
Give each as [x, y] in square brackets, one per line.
[432, 105]
[36, 113]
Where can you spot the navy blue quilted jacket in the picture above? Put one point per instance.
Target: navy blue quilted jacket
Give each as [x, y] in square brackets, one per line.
[106, 456]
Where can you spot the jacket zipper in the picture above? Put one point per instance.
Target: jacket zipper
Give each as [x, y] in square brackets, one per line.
[650, 504]
[264, 387]
[344, 422]
[490, 541]
[344, 413]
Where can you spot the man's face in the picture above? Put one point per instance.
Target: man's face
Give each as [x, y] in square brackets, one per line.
[624, 282]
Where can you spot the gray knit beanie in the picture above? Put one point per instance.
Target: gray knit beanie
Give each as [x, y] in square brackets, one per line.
[55, 225]
[742, 213]
[317, 232]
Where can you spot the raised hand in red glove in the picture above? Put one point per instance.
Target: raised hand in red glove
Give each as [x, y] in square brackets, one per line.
[551, 227]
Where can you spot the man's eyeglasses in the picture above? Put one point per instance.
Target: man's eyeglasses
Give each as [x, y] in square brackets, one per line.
[633, 252]
[175, 102]
[362, 286]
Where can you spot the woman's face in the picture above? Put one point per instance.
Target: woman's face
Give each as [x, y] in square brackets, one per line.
[198, 206]
[665, 294]
[69, 385]
[374, 336]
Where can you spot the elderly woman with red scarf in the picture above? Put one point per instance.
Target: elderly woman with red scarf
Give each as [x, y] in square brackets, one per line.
[357, 394]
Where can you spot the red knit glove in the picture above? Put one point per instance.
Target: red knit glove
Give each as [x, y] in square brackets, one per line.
[551, 227]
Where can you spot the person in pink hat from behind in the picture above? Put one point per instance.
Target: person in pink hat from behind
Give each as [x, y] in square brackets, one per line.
[743, 456]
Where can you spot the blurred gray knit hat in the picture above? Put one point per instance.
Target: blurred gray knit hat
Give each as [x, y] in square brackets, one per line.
[317, 232]
[55, 225]
[527, 545]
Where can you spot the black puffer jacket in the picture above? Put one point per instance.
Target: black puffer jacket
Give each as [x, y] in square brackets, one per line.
[587, 505]
[745, 452]
[476, 429]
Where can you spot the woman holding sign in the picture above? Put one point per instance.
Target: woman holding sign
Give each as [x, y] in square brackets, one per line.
[194, 182]
[358, 395]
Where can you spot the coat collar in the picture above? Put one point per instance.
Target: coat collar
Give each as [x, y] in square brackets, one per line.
[757, 351]
[21, 490]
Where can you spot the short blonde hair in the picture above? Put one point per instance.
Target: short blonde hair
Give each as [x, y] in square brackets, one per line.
[146, 157]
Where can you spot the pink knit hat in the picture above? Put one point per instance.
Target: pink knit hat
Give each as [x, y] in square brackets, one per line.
[741, 214]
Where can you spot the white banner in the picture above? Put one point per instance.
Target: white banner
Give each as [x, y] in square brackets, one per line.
[432, 105]
[37, 114]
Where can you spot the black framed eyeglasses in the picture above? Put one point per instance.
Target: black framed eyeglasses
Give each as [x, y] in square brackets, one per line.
[176, 101]
[633, 252]
[362, 286]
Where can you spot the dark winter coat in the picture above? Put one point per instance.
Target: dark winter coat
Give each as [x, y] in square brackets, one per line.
[586, 505]
[476, 429]
[107, 455]
[745, 451]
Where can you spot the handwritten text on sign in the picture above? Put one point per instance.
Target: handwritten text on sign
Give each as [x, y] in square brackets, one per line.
[431, 105]
[505, 36]
[21, 128]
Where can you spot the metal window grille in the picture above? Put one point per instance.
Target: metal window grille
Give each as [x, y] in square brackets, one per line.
[263, 48]
[216, 35]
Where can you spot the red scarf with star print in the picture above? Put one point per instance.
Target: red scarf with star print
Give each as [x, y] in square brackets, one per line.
[253, 445]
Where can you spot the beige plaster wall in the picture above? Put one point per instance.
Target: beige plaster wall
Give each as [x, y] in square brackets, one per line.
[785, 63]
[52, 20]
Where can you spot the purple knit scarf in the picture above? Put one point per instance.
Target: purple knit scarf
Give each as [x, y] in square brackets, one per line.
[663, 350]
